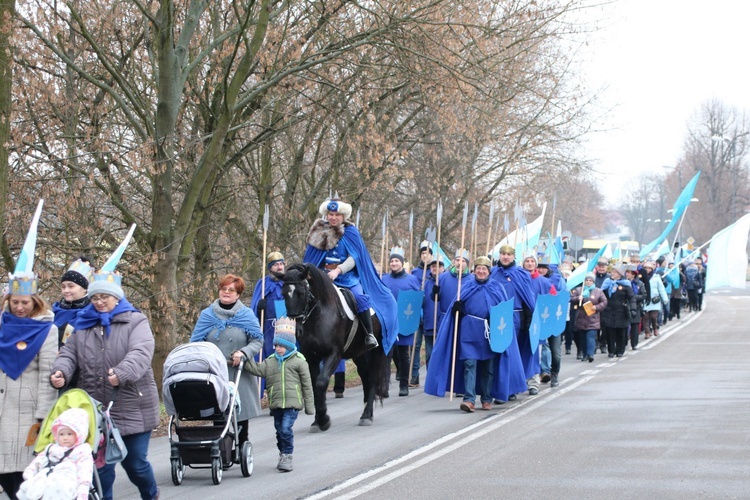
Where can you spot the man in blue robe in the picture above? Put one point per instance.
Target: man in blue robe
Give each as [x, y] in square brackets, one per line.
[334, 244]
[267, 300]
[477, 368]
[422, 272]
[517, 284]
[398, 280]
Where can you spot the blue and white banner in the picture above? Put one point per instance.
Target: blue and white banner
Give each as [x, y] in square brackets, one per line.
[550, 314]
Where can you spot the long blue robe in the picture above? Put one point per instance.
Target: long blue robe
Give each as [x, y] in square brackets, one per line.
[517, 283]
[381, 298]
[402, 282]
[509, 377]
[273, 293]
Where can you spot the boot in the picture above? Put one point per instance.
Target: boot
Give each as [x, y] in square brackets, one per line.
[370, 341]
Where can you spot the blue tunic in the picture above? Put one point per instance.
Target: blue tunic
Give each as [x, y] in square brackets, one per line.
[478, 298]
[401, 282]
[517, 283]
[381, 298]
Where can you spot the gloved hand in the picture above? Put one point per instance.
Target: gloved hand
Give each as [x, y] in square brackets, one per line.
[458, 307]
[436, 293]
[261, 305]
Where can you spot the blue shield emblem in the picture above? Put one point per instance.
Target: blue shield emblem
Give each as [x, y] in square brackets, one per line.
[409, 311]
[501, 326]
[550, 314]
[280, 306]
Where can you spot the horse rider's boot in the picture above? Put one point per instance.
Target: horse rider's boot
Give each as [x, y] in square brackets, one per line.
[370, 341]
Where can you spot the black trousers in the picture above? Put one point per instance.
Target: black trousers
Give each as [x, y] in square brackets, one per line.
[617, 339]
[401, 359]
[11, 483]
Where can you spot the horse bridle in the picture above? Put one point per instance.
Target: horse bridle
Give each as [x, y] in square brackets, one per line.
[309, 297]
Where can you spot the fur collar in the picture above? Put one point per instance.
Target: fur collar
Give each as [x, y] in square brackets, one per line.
[325, 237]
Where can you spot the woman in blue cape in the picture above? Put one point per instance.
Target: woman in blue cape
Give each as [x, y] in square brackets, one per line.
[498, 375]
[335, 245]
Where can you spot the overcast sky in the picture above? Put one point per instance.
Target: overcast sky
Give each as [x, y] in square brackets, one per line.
[659, 61]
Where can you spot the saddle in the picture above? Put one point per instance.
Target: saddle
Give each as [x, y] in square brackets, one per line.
[347, 306]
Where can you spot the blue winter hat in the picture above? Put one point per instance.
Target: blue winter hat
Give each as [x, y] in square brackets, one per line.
[285, 333]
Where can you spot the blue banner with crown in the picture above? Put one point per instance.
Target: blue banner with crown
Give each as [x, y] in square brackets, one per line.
[501, 326]
[409, 311]
[550, 314]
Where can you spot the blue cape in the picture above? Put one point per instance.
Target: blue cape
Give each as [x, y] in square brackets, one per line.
[13, 361]
[508, 369]
[89, 316]
[381, 298]
[64, 316]
[244, 319]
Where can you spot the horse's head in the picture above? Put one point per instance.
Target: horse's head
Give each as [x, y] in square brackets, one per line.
[296, 290]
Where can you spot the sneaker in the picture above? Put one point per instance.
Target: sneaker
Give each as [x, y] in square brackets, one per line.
[403, 391]
[339, 395]
[467, 406]
[533, 391]
[512, 397]
[285, 463]
[486, 406]
[591, 359]
[545, 378]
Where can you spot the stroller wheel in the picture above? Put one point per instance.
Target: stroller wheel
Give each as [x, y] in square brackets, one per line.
[178, 471]
[246, 459]
[216, 470]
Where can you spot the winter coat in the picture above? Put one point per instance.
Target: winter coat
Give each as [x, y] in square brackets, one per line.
[128, 350]
[676, 279]
[694, 278]
[233, 339]
[640, 299]
[583, 321]
[288, 382]
[657, 290]
[620, 308]
[24, 402]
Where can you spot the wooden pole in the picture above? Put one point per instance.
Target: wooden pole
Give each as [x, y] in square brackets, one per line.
[458, 297]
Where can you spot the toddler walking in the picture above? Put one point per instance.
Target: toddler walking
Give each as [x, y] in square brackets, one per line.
[288, 387]
[63, 471]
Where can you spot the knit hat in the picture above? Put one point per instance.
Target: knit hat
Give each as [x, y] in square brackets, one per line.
[107, 280]
[590, 276]
[334, 205]
[273, 258]
[508, 249]
[531, 256]
[79, 272]
[397, 253]
[23, 279]
[286, 333]
[620, 270]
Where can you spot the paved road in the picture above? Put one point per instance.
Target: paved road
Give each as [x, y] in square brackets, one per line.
[669, 420]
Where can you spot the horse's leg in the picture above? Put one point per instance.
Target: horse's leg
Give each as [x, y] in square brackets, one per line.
[321, 379]
[368, 388]
[319, 396]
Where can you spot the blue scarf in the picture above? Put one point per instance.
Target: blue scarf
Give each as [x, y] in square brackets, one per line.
[89, 317]
[66, 312]
[21, 339]
[285, 356]
[244, 319]
[587, 291]
[610, 285]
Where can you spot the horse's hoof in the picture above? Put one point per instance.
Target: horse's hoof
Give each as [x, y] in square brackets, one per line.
[365, 422]
[326, 426]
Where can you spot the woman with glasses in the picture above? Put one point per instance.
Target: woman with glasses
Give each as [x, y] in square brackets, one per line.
[111, 348]
[234, 328]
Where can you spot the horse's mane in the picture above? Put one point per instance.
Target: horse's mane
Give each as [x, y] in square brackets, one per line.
[321, 285]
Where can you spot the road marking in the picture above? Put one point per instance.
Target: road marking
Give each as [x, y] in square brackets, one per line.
[379, 476]
[406, 463]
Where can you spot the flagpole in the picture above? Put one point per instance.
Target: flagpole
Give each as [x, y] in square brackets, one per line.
[473, 244]
[266, 218]
[382, 243]
[458, 298]
[411, 236]
[427, 235]
[489, 233]
[437, 276]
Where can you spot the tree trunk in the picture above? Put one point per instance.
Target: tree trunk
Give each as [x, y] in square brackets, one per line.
[7, 10]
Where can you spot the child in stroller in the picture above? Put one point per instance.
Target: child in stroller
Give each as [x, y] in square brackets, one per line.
[65, 468]
[60, 469]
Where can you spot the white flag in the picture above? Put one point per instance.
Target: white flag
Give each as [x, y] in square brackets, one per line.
[727, 256]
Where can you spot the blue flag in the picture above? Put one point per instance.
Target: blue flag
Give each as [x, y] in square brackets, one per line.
[550, 314]
[280, 306]
[409, 311]
[501, 326]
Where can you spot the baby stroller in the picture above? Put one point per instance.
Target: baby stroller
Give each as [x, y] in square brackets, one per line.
[196, 389]
[76, 398]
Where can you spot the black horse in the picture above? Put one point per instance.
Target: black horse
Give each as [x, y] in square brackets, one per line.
[322, 332]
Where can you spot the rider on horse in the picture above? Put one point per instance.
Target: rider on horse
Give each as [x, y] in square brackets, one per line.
[335, 244]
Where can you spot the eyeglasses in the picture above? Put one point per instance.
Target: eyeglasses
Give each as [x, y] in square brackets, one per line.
[227, 289]
[101, 298]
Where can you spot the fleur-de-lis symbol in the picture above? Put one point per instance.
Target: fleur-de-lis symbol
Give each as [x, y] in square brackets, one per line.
[408, 311]
[559, 312]
[502, 325]
[545, 314]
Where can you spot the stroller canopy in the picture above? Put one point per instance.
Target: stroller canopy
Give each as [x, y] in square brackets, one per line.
[73, 398]
[202, 361]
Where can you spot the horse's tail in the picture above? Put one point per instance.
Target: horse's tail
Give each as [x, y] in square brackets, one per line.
[381, 366]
